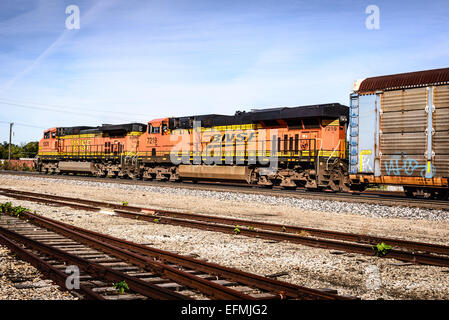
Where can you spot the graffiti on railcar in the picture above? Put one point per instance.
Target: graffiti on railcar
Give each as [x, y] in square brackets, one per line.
[402, 165]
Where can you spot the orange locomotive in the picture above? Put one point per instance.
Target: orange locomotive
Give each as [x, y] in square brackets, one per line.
[300, 146]
[97, 150]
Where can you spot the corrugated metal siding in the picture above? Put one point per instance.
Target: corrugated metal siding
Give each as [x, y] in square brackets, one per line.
[441, 142]
[442, 166]
[408, 143]
[441, 120]
[398, 122]
[403, 123]
[441, 99]
[441, 102]
[441, 125]
[404, 100]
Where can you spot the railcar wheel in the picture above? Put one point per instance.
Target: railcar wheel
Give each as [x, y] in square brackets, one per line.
[423, 193]
[409, 192]
[442, 194]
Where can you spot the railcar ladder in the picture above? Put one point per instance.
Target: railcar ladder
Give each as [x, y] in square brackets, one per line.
[353, 133]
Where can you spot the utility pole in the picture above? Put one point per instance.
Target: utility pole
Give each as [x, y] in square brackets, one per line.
[10, 135]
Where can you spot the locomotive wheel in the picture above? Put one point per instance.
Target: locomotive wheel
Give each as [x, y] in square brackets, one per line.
[339, 183]
[338, 178]
[317, 189]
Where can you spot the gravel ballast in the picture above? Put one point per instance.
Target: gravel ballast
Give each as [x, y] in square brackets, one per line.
[21, 281]
[353, 274]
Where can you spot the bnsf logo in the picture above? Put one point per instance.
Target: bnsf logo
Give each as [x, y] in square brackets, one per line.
[230, 137]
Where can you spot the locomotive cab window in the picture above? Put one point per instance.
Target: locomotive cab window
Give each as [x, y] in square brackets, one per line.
[46, 135]
[155, 129]
[53, 135]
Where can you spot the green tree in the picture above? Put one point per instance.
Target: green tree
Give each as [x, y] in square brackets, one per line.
[28, 150]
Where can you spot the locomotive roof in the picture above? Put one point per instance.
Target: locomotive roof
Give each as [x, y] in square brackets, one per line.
[329, 110]
[104, 128]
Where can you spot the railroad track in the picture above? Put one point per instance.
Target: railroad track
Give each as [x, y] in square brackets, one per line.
[52, 246]
[370, 197]
[410, 251]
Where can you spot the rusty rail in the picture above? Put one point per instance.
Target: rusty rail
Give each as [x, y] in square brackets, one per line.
[391, 199]
[179, 276]
[144, 257]
[137, 285]
[285, 290]
[45, 268]
[349, 242]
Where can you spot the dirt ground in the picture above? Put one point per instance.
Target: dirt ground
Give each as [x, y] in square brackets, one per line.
[366, 277]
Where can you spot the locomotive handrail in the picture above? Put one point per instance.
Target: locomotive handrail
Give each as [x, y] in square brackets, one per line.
[293, 150]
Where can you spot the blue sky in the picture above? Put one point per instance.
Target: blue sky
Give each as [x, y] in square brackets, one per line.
[138, 60]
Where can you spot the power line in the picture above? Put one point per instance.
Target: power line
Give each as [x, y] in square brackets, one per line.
[46, 107]
[23, 125]
[61, 111]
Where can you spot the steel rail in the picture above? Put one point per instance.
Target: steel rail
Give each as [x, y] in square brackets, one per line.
[360, 197]
[44, 267]
[95, 269]
[419, 258]
[284, 289]
[182, 217]
[208, 287]
[344, 236]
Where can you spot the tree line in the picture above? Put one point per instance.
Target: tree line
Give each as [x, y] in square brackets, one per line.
[28, 150]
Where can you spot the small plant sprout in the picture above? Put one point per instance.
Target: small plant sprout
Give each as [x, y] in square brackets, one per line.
[121, 286]
[284, 229]
[17, 211]
[381, 249]
[156, 220]
[14, 211]
[137, 217]
[304, 233]
[251, 228]
[124, 203]
[236, 229]
[6, 207]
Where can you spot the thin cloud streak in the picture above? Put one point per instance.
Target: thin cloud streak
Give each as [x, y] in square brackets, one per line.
[57, 43]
